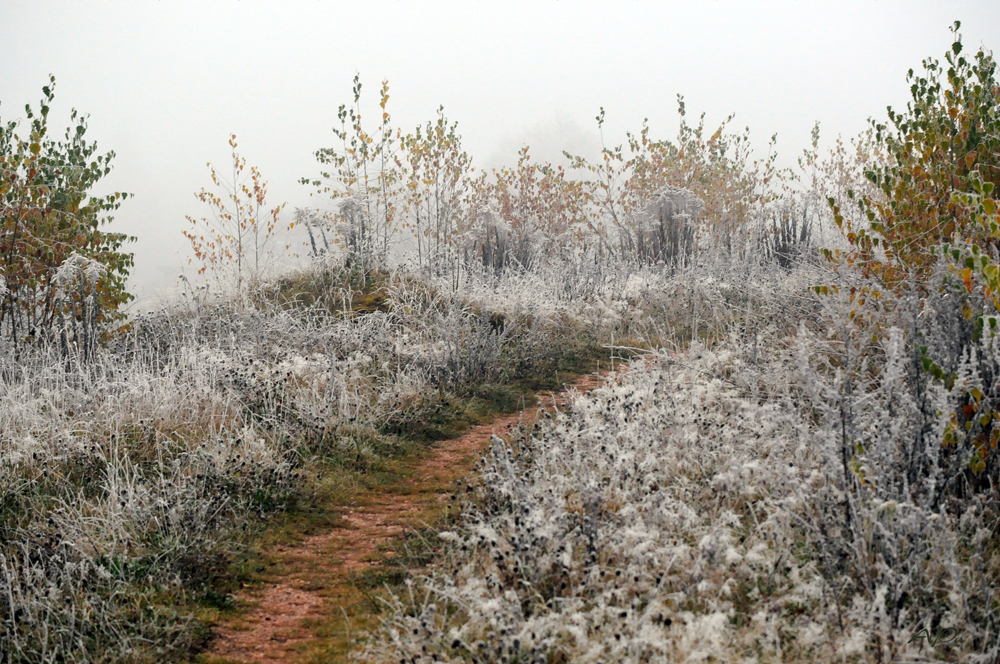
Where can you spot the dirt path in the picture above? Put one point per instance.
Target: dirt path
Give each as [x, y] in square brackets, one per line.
[294, 618]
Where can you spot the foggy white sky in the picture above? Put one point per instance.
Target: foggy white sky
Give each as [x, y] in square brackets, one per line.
[165, 83]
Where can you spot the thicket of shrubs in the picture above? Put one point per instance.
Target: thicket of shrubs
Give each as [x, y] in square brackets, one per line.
[805, 465]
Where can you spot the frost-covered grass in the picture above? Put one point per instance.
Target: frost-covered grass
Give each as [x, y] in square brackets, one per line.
[120, 481]
[130, 482]
[768, 483]
[762, 494]
[640, 527]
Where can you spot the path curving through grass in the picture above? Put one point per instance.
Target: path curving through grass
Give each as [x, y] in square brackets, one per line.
[309, 607]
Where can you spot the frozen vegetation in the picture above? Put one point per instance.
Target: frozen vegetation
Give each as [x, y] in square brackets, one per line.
[702, 506]
[797, 462]
[128, 480]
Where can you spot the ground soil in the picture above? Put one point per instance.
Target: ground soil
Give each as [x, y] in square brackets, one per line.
[308, 608]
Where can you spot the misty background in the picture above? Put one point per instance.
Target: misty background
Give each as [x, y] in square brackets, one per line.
[166, 83]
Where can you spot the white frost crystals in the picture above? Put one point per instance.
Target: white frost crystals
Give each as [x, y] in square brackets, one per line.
[694, 510]
[642, 527]
[78, 267]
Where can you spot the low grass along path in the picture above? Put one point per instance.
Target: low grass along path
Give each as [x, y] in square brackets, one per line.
[315, 595]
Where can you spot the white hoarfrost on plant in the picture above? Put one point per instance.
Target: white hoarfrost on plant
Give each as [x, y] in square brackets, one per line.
[636, 528]
[703, 506]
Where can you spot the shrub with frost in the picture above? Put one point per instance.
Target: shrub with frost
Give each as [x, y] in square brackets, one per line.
[782, 494]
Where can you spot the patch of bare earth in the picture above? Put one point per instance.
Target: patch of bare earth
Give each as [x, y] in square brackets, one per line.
[287, 617]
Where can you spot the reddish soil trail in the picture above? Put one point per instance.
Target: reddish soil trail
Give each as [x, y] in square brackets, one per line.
[289, 617]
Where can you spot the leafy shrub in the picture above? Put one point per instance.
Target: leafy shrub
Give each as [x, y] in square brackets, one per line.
[943, 144]
[717, 170]
[234, 244]
[926, 243]
[47, 217]
[363, 181]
